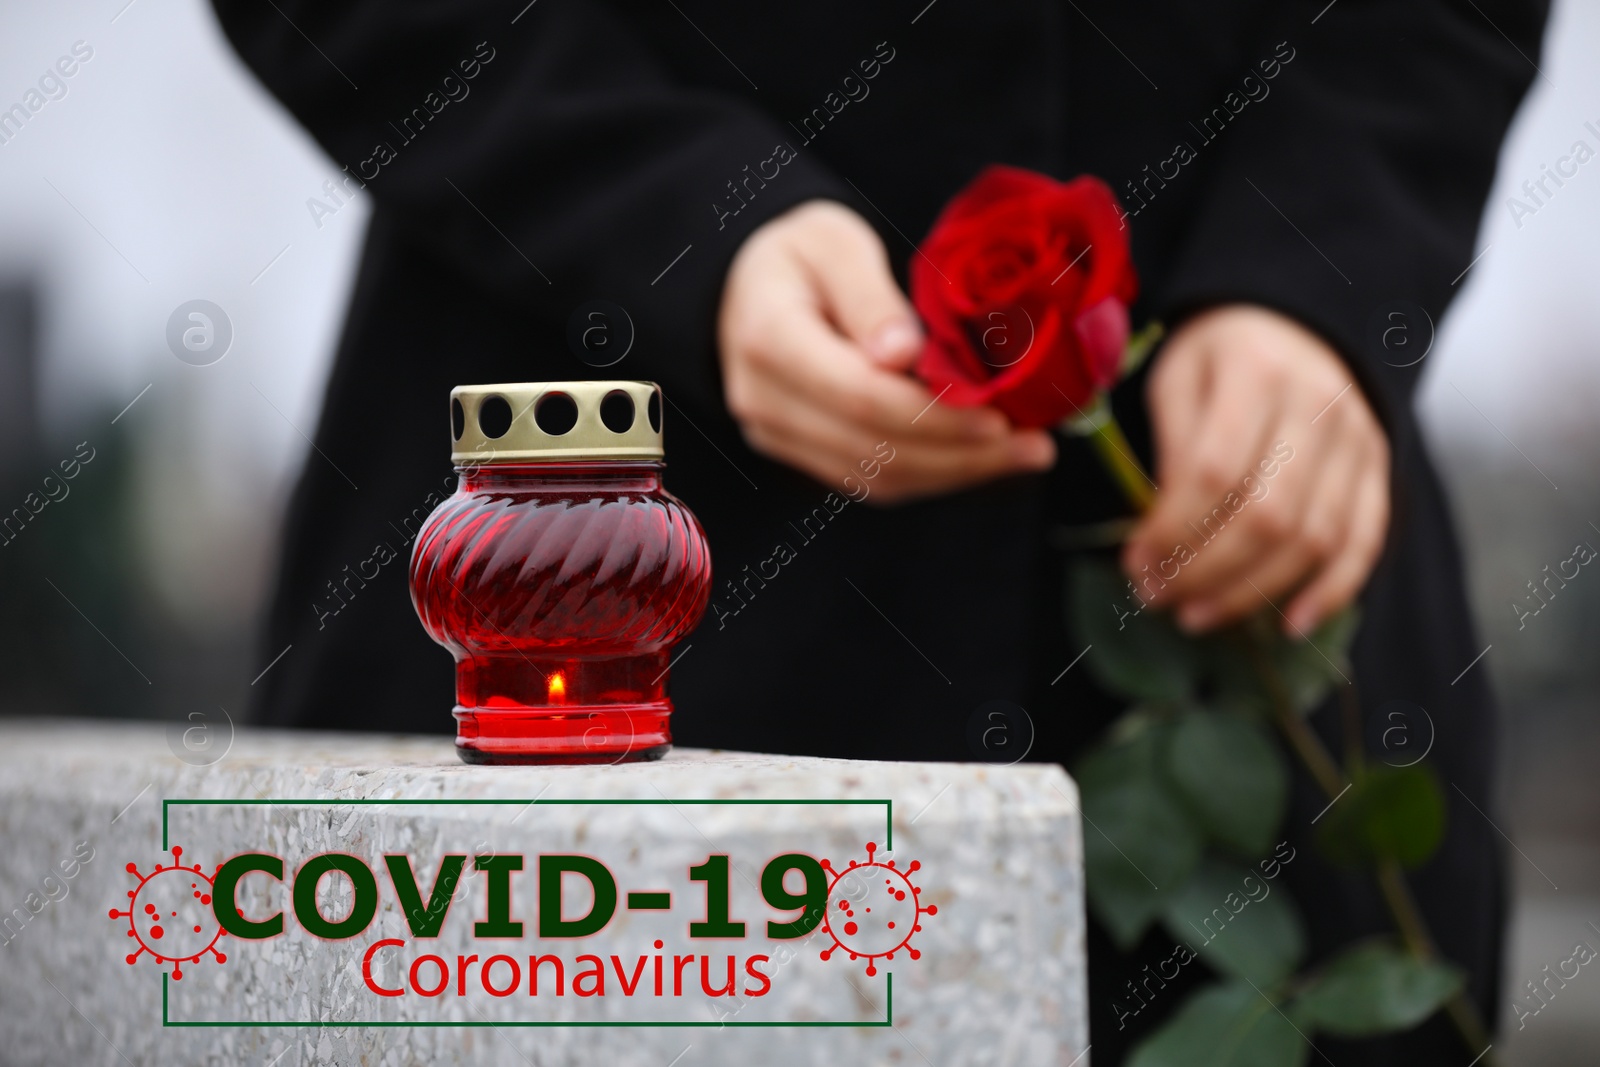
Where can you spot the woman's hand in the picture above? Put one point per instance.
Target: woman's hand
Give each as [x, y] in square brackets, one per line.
[1236, 391]
[815, 338]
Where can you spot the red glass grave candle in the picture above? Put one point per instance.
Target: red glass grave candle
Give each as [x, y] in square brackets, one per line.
[560, 574]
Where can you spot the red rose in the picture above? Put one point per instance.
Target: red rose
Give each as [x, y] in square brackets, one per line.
[1024, 285]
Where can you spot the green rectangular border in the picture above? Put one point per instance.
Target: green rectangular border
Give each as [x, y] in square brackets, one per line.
[167, 1021]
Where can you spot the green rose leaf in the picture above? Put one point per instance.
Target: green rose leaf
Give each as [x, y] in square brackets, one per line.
[1233, 680]
[1390, 813]
[1139, 346]
[1139, 844]
[1228, 1025]
[1233, 777]
[1240, 924]
[1141, 656]
[1309, 667]
[1375, 989]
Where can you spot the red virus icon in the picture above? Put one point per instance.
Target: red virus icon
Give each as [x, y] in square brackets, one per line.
[169, 915]
[873, 909]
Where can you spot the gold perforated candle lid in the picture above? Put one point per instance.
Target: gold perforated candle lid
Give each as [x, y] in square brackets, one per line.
[534, 421]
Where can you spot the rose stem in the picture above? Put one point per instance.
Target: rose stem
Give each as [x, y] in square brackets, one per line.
[1115, 452]
[1136, 485]
[1350, 711]
[1408, 920]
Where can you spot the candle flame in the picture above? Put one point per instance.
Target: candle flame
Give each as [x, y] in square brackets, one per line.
[557, 691]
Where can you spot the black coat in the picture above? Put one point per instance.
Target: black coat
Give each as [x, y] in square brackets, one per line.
[525, 160]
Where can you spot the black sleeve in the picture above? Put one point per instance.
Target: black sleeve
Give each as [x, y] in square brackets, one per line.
[567, 167]
[1360, 180]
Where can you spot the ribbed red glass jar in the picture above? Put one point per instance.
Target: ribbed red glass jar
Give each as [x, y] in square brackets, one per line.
[560, 585]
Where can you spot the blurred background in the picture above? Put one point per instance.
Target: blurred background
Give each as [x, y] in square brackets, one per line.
[142, 480]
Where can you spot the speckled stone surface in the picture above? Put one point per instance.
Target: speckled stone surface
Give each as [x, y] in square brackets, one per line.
[1000, 978]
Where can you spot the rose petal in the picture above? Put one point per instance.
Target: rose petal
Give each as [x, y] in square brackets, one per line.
[1102, 332]
[995, 184]
[1049, 384]
[943, 368]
